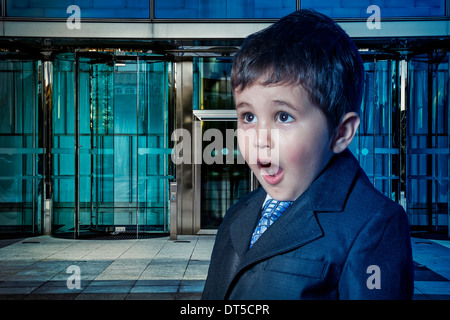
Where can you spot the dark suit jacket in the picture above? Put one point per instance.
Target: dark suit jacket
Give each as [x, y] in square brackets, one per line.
[341, 239]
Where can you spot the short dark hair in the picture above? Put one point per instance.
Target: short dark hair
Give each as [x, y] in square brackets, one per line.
[309, 49]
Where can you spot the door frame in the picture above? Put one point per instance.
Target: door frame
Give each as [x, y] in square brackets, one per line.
[198, 117]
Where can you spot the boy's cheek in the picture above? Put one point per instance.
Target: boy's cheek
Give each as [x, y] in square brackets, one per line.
[291, 154]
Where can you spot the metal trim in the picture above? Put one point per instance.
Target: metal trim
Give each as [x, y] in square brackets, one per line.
[77, 146]
[210, 115]
[204, 30]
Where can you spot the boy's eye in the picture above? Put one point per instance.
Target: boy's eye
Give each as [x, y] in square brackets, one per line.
[249, 117]
[284, 117]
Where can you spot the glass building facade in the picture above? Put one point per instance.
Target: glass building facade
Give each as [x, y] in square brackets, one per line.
[90, 132]
[89, 116]
[221, 9]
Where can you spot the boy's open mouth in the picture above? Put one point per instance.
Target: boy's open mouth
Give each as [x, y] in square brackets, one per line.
[271, 173]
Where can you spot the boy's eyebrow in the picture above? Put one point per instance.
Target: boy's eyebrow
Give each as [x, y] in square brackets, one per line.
[242, 105]
[284, 103]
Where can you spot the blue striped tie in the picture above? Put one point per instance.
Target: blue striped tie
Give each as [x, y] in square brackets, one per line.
[272, 211]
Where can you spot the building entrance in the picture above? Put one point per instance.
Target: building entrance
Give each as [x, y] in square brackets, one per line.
[109, 143]
[221, 175]
[84, 143]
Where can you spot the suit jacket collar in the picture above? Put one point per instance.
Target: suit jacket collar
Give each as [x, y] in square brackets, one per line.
[330, 190]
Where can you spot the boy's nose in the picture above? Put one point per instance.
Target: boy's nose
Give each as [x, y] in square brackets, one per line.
[263, 138]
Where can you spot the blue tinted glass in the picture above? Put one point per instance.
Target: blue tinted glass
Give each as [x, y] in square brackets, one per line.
[212, 88]
[223, 9]
[20, 173]
[88, 8]
[388, 8]
[123, 112]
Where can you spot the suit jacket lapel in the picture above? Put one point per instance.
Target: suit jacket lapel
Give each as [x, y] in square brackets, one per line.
[242, 228]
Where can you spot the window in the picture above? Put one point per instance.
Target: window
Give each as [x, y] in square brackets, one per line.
[212, 89]
[223, 9]
[388, 8]
[88, 9]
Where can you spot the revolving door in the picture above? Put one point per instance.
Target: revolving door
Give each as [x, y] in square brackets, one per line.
[109, 147]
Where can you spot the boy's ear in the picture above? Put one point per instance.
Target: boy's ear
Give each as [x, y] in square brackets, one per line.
[345, 132]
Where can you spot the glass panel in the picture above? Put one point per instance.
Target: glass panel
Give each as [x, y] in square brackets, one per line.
[427, 142]
[88, 9]
[63, 143]
[388, 8]
[223, 9]
[153, 151]
[222, 184]
[123, 144]
[96, 156]
[212, 88]
[20, 174]
[375, 145]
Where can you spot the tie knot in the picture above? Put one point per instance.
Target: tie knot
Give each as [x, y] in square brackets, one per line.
[272, 210]
[273, 205]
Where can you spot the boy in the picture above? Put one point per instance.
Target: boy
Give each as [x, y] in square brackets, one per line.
[330, 235]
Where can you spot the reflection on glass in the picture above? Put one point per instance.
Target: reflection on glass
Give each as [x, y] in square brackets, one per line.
[88, 9]
[223, 9]
[358, 9]
[123, 143]
[63, 151]
[221, 184]
[212, 88]
[20, 173]
[427, 141]
[376, 144]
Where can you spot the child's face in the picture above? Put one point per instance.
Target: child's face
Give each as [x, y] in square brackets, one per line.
[283, 137]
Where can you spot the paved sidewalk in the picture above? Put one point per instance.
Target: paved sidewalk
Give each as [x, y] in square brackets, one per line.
[432, 269]
[37, 268]
[158, 268]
